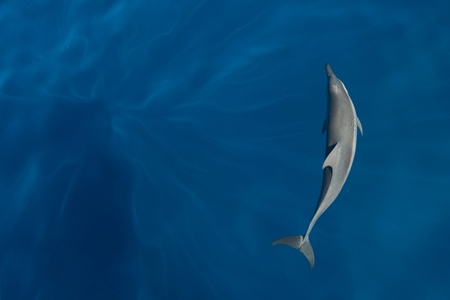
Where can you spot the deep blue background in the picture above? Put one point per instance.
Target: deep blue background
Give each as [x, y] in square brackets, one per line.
[155, 149]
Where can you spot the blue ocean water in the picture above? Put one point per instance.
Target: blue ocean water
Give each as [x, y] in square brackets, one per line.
[155, 149]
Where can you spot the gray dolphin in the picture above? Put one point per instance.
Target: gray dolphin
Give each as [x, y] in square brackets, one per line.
[341, 126]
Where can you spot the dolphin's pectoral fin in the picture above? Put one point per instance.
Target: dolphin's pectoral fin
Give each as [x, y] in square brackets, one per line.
[332, 157]
[358, 122]
[297, 242]
[325, 125]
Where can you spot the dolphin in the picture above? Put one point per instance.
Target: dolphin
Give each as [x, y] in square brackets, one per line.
[341, 125]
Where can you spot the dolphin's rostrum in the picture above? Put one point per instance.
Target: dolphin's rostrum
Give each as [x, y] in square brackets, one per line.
[341, 126]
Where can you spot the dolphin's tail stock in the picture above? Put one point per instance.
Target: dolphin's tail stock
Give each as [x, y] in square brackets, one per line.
[298, 242]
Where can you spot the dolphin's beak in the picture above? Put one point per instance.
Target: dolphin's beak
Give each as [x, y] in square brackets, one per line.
[329, 71]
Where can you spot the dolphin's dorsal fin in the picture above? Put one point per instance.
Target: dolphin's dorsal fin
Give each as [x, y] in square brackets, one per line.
[358, 122]
[332, 158]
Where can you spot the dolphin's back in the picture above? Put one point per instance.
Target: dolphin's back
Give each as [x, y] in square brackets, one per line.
[341, 125]
[341, 130]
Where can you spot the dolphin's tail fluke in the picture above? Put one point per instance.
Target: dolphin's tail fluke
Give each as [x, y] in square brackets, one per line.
[298, 242]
